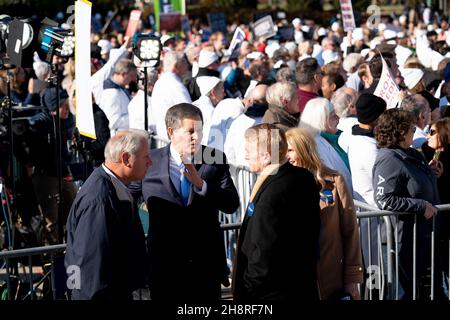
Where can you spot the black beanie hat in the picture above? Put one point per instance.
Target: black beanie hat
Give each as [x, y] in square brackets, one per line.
[432, 101]
[49, 98]
[369, 107]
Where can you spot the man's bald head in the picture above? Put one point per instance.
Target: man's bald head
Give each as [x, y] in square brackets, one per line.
[258, 94]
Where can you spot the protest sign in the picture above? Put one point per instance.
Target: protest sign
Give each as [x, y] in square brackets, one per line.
[238, 37]
[264, 27]
[387, 88]
[348, 18]
[133, 23]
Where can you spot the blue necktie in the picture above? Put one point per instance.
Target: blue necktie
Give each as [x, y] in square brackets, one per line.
[185, 187]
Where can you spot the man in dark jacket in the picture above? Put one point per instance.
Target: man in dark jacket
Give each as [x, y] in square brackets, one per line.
[43, 156]
[278, 244]
[106, 256]
[184, 192]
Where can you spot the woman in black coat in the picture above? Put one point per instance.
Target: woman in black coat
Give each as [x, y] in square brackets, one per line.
[278, 243]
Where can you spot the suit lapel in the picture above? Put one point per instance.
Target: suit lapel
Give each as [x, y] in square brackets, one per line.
[165, 175]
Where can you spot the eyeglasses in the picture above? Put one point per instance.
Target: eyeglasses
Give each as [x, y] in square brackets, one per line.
[432, 132]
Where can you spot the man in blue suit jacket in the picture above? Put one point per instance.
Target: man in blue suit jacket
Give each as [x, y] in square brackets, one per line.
[105, 239]
[184, 191]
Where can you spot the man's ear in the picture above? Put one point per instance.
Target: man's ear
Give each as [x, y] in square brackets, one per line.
[125, 157]
[170, 132]
[333, 87]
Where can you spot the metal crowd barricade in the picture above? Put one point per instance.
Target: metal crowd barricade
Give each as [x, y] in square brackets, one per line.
[393, 243]
[378, 228]
[7, 256]
[243, 180]
[376, 244]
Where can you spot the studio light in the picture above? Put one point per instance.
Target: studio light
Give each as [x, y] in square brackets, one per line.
[147, 48]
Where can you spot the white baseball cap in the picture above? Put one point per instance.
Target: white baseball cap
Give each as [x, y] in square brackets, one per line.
[207, 58]
[411, 76]
[206, 84]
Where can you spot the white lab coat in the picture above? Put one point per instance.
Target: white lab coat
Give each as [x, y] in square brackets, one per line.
[114, 103]
[346, 125]
[224, 114]
[167, 92]
[234, 146]
[362, 152]
[205, 105]
[136, 112]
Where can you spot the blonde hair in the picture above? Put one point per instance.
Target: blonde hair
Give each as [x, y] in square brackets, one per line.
[270, 139]
[304, 146]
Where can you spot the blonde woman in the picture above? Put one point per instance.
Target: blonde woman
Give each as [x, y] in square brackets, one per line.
[339, 269]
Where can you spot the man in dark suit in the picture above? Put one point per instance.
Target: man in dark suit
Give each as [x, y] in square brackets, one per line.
[184, 191]
[106, 256]
[278, 244]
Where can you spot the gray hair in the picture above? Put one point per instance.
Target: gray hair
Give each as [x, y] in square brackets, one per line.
[351, 62]
[171, 59]
[280, 91]
[285, 74]
[416, 104]
[129, 141]
[341, 101]
[315, 116]
[124, 66]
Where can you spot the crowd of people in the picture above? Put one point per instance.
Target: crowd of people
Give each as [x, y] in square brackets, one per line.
[300, 112]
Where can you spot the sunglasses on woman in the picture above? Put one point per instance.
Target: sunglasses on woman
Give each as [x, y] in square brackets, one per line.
[433, 132]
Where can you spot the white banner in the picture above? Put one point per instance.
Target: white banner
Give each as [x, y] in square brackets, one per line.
[387, 88]
[348, 19]
[84, 111]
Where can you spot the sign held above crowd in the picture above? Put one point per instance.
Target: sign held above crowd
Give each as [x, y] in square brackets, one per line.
[387, 88]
